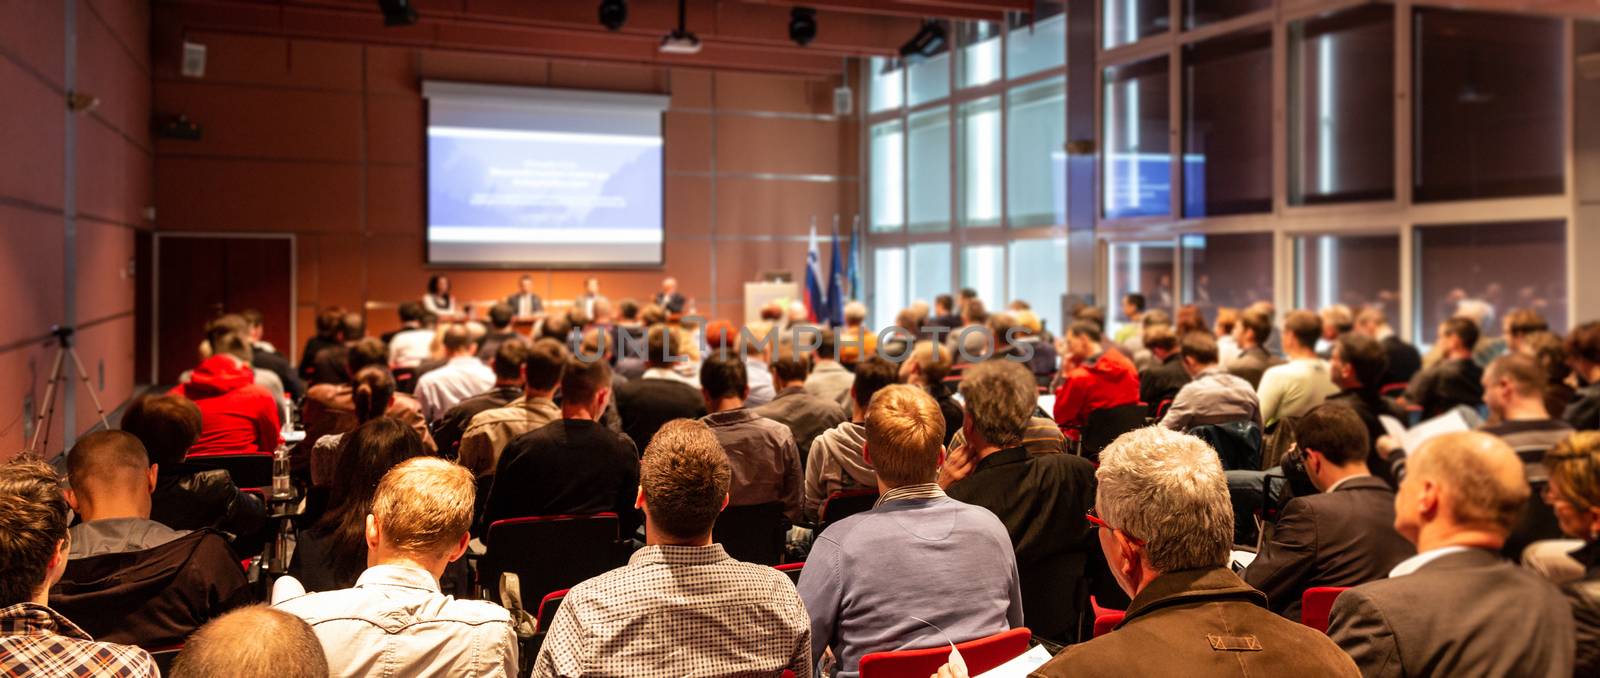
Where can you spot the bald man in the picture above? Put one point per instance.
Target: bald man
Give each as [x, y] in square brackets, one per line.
[112, 478]
[253, 641]
[1457, 608]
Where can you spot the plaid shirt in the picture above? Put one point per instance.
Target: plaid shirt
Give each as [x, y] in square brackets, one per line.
[35, 641]
[680, 611]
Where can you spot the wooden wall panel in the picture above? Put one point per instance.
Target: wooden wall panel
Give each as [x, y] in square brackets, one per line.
[30, 127]
[31, 35]
[105, 283]
[203, 194]
[264, 123]
[786, 145]
[30, 262]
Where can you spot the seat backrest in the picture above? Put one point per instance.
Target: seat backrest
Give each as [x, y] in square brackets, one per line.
[1237, 443]
[248, 469]
[980, 655]
[1535, 522]
[549, 553]
[548, 607]
[792, 570]
[1105, 425]
[1393, 390]
[841, 505]
[754, 534]
[1105, 619]
[1316, 603]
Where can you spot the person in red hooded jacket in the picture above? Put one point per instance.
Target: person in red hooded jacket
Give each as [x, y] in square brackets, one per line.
[1093, 378]
[236, 414]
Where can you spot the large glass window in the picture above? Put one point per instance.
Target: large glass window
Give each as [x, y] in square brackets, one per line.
[1197, 13]
[1037, 41]
[888, 177]
[983, 269]
[1128, 21]
[1139, 268]
[1036, 157]
[1227, 126]
[929, 78]
[1138, 166]
[930, 270]
[980, 163]
[1355, 270]
[1341, 103]
[1486, 270]
[888, 84]
[929, 185]
[888, 285]
[978, 53]
[1488, 120]
[1233, 269]
[1039, 276]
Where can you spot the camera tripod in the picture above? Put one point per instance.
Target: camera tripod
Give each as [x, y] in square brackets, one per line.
[41, 430]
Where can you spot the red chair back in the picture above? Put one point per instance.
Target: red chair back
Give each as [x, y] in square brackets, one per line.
[1392, 390]
[792, 570]
[548, 607]
[1105, 618]
[1316, 604]
[549, 553]
[980, 655]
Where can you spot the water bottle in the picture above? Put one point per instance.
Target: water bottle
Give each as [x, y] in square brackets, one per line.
[280, 473]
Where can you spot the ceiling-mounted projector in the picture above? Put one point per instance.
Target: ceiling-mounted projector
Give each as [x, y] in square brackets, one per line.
[680, 42]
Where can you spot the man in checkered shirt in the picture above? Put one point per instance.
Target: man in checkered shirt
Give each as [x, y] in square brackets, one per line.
[35, 640]
[681, 606]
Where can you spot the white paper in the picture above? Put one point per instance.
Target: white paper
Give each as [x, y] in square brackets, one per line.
[1021, 666]
[1450, 422]
[1242, 559]
[1393, 427]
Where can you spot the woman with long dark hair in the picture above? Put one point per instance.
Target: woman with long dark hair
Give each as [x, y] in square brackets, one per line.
[439, 301]
[333, 552]
[372, 392]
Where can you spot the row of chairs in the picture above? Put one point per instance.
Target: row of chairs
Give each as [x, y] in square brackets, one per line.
[1316, 604]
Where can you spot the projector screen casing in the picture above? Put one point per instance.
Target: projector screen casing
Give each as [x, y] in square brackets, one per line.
[464, 114]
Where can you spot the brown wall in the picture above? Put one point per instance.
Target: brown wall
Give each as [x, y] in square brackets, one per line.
[325, 140]
[112, 182]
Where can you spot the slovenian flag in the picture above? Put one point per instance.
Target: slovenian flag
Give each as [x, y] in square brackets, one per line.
[816, 298]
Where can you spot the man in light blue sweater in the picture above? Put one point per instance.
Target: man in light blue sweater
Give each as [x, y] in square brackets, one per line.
[870, 574]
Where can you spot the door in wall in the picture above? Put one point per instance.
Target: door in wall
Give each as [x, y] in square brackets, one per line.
[201, 277]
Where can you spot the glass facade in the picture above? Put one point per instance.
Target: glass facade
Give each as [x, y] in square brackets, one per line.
[929, 271]
[1341, 107]
[1038, 273]
[1227, 126]
[888, 285]
[928, 190]
[1137, 174]
[983, 269]
[888, 176]
[1226, 270]
[1035, 42]
[1128, 21]
[1139, 268]
[980, 163]
[1355, 270]
[1486, 270]
[1036, 158]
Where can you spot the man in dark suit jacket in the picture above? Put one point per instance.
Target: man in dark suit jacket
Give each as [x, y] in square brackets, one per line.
[668, 298]
[1404, 360]
[1342, 537]
[1457, 608]
[1161, 383]
[524, 302]
[1041, 499]
[1454, 380]
[1254, 329]
[660, 395]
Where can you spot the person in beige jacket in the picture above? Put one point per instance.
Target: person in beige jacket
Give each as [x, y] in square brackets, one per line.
[834, 462]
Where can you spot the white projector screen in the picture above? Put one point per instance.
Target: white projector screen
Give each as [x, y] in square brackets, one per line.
[523, 177]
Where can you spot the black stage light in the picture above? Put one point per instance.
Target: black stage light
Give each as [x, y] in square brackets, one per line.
[802, 25]
[397, 12]
[928, 41]
[613, 14]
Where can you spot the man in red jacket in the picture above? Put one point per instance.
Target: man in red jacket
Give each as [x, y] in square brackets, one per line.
[1093, 378]
[236, 415]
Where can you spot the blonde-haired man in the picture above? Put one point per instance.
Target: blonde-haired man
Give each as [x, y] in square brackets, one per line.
[395, 621]
[1457, 608]
[869, 576]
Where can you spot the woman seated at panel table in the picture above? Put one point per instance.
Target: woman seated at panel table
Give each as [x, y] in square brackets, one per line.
[440, 302]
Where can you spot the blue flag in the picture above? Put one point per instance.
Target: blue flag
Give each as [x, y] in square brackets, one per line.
[836, 283]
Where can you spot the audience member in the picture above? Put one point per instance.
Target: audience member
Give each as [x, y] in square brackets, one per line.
[659, 396]
[1092, 378]
[761, 452]
[1227, 345]
[1343, 536]
[1513, 390]
[331, 409]
[866, 580]
[1337, 321]
[806, 415]
[328, 335]
[252, 641]
[723, 339]
[1574, 496]
[1252, 334]
[1551, 353]
[395, 621]
[972, 341]
[835, 462]
[1293, 388]
[944, 313]
[187, 496]
[1136, 350]
[35, 640]
[1359, 362]
[331, 553]
[1404, 360]
[372, 392]
[1133, 306]
[1165, 528]
[1457, 608]
[1160, 383]
[237, 415]
[926, 368]
[328, 366]
[264, 357]
[462, 377]
[1041, 499]
[413, 344]
[1456, 379]
[855, 342]
[571, 466]
[499, 332]
[689, 609]
[1213, 396]
[508, 386]
[1191, 318]
[1583, 352]
[488, 432]
[1046, 362]
[828, 380]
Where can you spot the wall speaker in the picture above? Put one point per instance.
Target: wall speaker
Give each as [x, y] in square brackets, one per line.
[194, 60]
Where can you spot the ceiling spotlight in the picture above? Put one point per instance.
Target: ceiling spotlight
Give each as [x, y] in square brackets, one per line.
[397, 12]
[613, 13]
[929, 41]
[802, 25]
